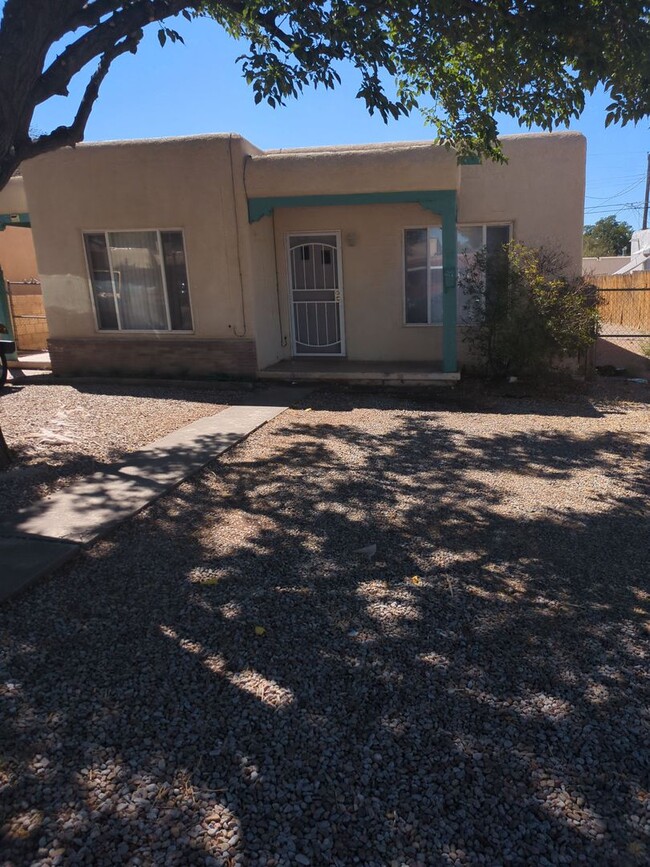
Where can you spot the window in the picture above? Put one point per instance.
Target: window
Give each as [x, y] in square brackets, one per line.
[423, 272]
[139, 280]
[423, 276]
[471, 239]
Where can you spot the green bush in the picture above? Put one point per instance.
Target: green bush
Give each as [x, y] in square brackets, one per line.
[524, 314]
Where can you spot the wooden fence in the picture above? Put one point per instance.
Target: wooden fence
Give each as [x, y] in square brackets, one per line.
[635, 280]
[625, 301]
[28, 316]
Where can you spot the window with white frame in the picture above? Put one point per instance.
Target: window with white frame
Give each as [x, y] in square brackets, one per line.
[471, 239]
[139, 280]
[423, 269]
[423, 276]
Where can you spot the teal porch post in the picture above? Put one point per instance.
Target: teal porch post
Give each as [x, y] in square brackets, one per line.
[439, 202]
[5, 316]
[449, 306]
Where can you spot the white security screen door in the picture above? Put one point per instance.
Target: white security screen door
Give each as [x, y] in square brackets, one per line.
[316, 296]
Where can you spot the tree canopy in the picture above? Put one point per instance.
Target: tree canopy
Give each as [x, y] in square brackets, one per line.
[461, 62]
[607, 237]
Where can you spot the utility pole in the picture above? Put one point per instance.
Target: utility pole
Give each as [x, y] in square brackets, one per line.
[647, 195]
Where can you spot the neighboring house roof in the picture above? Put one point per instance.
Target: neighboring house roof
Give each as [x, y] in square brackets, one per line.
[639, 253]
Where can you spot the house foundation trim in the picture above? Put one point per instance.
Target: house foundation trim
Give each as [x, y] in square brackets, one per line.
[439, 202]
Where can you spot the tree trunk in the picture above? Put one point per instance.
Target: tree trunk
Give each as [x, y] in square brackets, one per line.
[5, 454]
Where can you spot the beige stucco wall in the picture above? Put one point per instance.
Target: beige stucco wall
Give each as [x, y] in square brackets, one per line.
[238, 271]
[13, 199]
[372, 277]
[17, 254]
[594, 265]
[194, 184]
[373, 266]
[352, 169]
[269, 332]
[540, 190]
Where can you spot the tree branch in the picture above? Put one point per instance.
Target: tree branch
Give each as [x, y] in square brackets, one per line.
[71, 135]
[98, 41]
[88, 15]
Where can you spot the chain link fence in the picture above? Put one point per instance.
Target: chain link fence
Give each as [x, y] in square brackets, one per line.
[624, 334]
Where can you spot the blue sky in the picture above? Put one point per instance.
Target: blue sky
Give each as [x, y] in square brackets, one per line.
[198, 88]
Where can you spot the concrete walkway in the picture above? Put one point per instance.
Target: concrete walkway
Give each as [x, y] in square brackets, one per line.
[50, 532]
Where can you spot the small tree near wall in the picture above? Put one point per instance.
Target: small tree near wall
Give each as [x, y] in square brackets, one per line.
[524, 314]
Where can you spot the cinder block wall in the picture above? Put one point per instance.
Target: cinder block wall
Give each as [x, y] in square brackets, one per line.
[164, 357]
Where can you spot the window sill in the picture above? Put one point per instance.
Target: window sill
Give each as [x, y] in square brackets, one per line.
[437, 324]
[140, 332]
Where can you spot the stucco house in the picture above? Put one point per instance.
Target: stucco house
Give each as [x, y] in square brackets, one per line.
[638, 260]
[206, 256]
[639, 252]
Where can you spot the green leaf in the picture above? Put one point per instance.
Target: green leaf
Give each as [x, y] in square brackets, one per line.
[460, 64]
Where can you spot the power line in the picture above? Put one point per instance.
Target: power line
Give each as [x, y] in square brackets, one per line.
[612, 153]
[609, 177]
[620, 192]
[647, 195]
[614, 205]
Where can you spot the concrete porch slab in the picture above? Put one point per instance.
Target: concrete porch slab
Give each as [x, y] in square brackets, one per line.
[342, 370]
[31, 361]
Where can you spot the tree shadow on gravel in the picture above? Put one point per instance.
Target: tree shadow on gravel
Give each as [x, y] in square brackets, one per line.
[224, 678]
[56, 453]
[30, 479]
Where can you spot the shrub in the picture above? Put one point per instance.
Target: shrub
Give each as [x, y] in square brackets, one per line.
[525, 315]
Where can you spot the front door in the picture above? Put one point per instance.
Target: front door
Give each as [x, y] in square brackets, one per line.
[316, 294]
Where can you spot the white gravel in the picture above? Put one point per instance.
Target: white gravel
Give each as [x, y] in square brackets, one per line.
[223, 681]
[61, 432]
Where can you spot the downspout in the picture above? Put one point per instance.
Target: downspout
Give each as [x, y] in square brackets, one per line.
[238, 241]
[283, 337]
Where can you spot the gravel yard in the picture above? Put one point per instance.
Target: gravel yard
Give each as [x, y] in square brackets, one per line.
[62, 432]
[223, 680]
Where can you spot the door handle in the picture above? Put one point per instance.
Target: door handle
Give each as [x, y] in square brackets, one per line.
[337, 294]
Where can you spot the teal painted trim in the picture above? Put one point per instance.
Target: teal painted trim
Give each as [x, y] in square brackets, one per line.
[14, 220]
[5, 315]
[432, 200]
[449, 271]
[439, 202]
